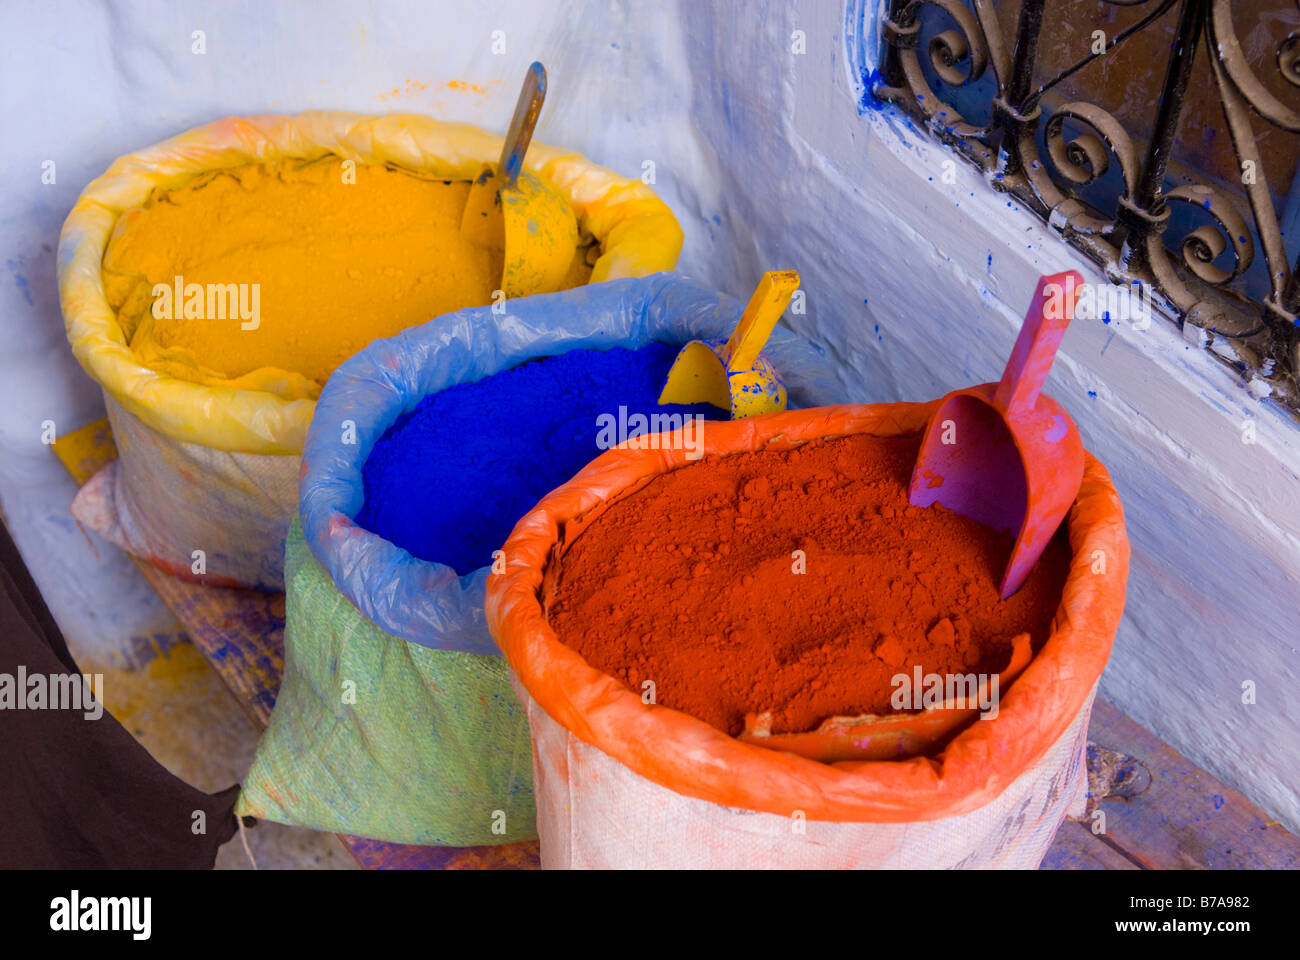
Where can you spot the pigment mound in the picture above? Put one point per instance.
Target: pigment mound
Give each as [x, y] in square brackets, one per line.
[690, 583]
[340, 258]
[449, 479]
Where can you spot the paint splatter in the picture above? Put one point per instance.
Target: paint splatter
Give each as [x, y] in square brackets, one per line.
[1057, 431]
[868, 102]
[412, 87]
[20, 281]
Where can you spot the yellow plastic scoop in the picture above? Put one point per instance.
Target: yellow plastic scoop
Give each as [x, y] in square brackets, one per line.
[732, 374]
[512, 209]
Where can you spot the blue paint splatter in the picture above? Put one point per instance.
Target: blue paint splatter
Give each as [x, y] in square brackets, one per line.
[868, 101]
[1219, 801]
[20, 281]
[1093, 394]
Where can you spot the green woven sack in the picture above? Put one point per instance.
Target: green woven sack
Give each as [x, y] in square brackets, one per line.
[381, 738]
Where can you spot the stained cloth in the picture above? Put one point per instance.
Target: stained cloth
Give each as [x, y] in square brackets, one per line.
[79, 792]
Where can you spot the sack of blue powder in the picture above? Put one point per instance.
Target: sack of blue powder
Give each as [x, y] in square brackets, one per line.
[395, 719]
[448, 480]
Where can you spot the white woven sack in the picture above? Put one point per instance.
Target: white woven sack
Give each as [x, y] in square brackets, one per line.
[163, 499]
[595, 813]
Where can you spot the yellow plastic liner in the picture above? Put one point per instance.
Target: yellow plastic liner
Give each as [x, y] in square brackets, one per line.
[637, 232]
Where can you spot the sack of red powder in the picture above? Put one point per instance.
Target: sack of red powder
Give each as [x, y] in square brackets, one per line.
[795, 599]
[622, 782]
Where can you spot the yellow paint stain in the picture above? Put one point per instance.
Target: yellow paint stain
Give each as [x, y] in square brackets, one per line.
[132, 694]
[83, 452]
[411, 88]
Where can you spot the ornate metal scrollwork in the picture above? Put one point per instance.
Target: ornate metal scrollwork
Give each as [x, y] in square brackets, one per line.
[1188, 270]
[1203, 245]
[1084, 159]
[946, 51]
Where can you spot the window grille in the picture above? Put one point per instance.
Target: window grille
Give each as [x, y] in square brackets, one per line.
[1180, 183]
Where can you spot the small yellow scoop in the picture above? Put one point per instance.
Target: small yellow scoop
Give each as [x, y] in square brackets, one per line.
[511, 208]
[731, 374]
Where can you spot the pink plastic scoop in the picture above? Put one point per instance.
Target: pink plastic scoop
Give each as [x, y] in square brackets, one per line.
[1003, 453]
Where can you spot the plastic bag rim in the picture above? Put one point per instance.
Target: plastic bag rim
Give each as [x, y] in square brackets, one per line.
[255, 421]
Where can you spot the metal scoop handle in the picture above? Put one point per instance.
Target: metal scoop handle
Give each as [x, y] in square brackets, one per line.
[527, 109]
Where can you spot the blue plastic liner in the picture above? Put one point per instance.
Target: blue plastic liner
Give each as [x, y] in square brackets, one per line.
[429, 603]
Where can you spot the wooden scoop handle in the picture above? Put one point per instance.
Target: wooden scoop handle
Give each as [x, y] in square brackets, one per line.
[761, 314]
[1050, 313]
[527, 109]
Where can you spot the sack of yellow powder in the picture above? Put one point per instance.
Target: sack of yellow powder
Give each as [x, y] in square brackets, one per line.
[212, 282]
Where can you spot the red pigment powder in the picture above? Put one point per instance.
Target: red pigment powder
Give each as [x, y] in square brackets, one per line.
[691, 583]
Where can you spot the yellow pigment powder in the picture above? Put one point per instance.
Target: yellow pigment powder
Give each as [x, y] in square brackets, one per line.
[336, 264]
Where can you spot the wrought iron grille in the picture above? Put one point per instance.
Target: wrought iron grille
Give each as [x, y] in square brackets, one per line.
[1048, 154]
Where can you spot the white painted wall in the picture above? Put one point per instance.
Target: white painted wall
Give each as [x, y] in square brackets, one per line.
[767, 162]
[85, 81]
[902, 290]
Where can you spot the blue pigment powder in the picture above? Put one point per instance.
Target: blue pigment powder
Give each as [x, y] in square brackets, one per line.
[448, 481]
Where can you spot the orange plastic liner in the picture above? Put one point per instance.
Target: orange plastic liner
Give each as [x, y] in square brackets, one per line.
[692, 758]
